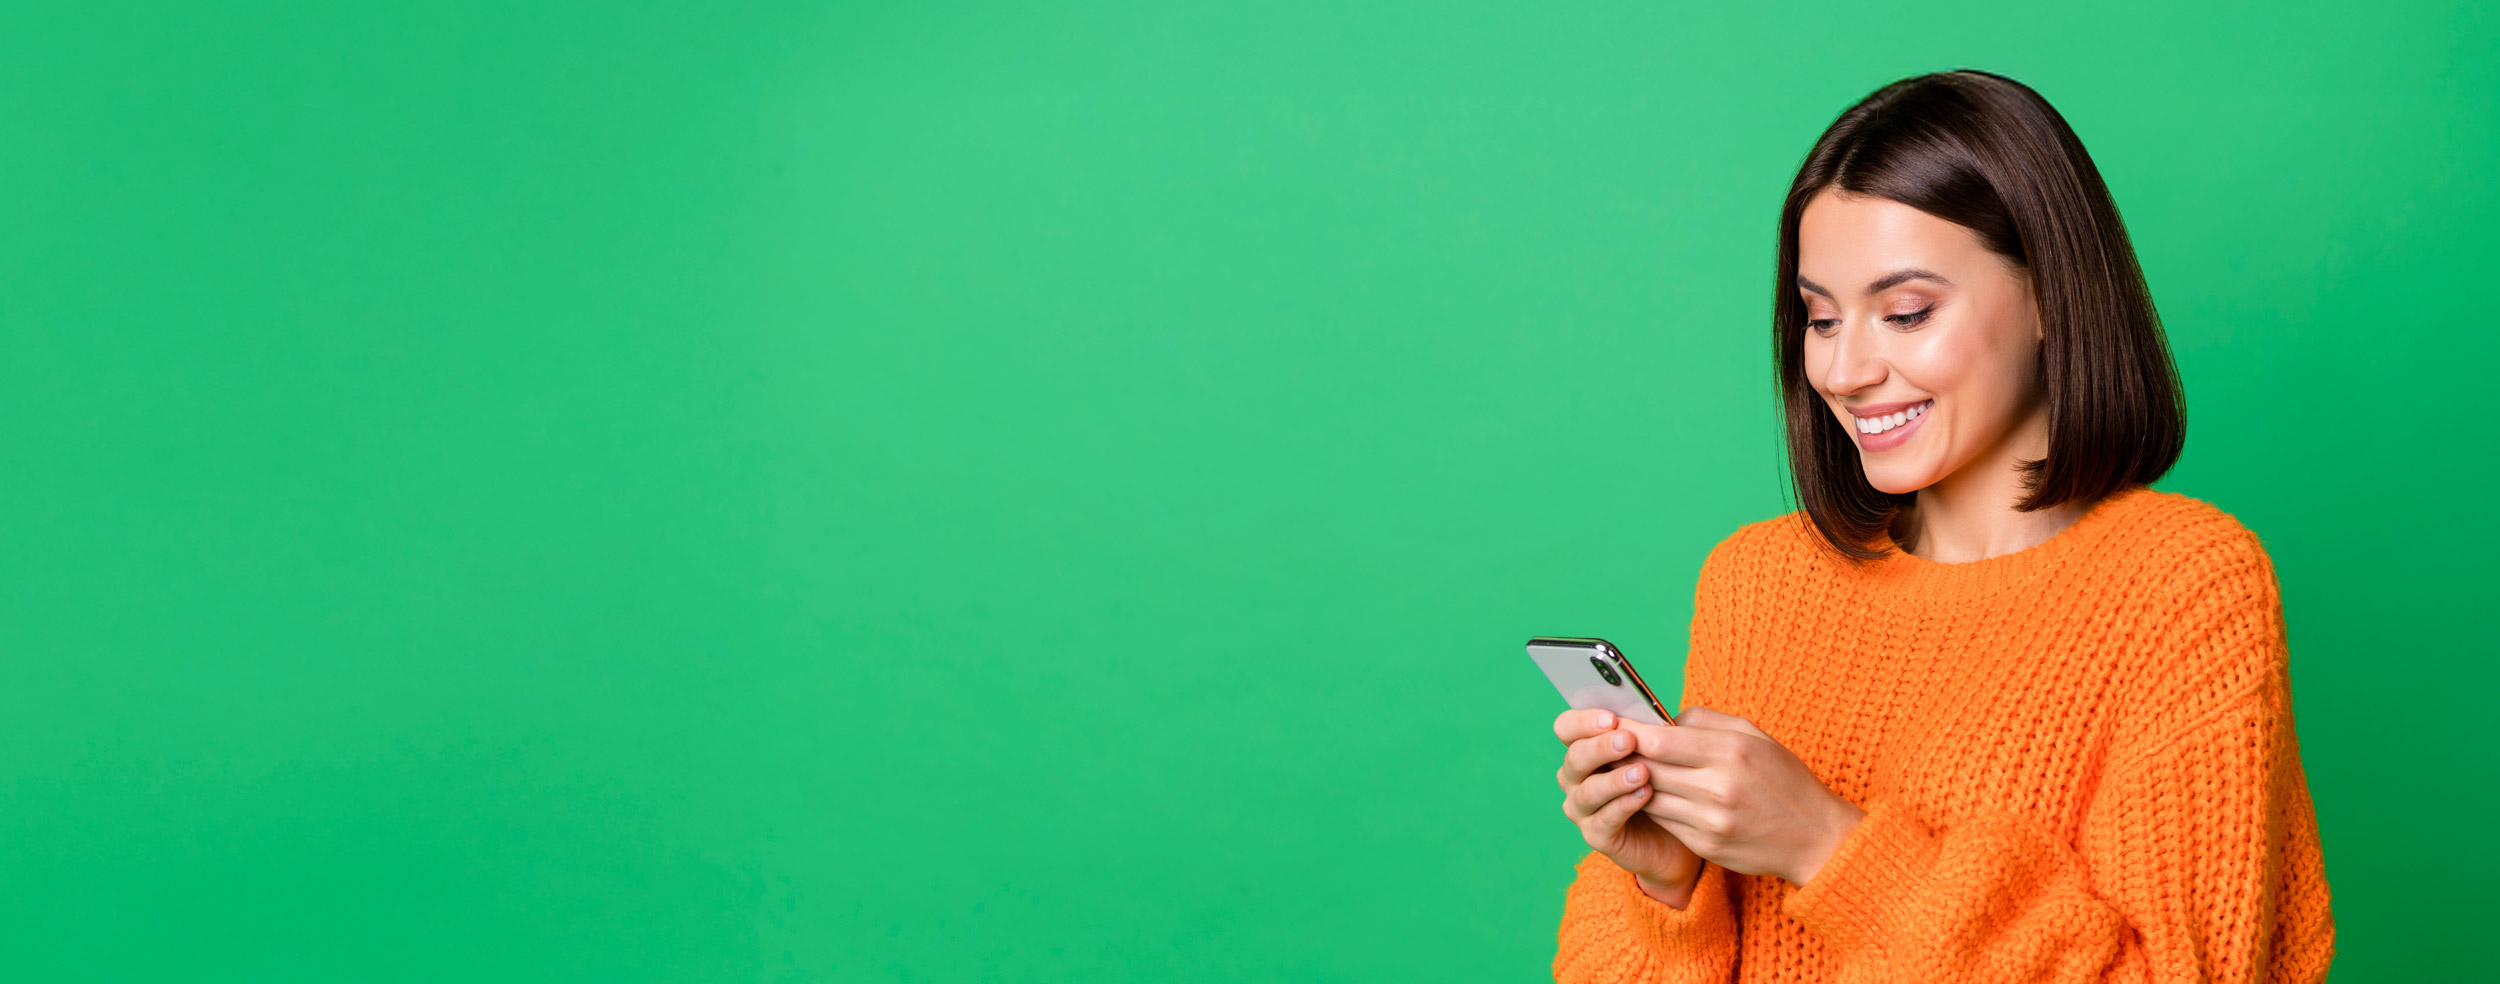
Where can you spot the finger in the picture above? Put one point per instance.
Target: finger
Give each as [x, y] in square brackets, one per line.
[1574, 725]
[1605, 827]
[1592, 795]
[1640, 729]
[1692, 814]
[1664, 806]
[1682, 828]
[1685, 745]
[1703, 717]
[1590, 755]
[1689, 784]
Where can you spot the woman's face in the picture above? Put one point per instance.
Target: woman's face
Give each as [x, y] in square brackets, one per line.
[1923, 342]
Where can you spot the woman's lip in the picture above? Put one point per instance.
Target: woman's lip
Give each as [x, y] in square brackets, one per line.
[1882, 409]
[1895, 437]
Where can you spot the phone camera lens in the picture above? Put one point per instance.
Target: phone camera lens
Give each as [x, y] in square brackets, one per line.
[1612, 679]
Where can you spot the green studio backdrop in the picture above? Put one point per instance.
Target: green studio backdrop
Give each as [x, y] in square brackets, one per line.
[947, 492]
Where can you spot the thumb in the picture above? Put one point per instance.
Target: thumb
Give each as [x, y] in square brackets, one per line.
[1703, 717]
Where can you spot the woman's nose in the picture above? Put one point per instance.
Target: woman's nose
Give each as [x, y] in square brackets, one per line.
[1855, 363]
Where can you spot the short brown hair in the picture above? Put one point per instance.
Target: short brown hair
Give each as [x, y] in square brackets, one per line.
[1986, 152]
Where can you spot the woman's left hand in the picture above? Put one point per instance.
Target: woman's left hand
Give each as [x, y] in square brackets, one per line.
[1740, 799]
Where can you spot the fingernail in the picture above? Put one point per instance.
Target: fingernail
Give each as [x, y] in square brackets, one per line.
[1623, 742]
[1632, 776]
[1605, 720]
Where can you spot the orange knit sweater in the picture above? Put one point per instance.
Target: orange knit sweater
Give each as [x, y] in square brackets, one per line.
[2077, 764]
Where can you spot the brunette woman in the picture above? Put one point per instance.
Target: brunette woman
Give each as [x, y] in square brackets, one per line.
[1986, 707]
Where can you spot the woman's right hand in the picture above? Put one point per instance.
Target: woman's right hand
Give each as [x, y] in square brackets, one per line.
[1606, 804]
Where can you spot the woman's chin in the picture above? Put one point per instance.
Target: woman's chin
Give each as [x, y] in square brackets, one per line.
[1892, 482]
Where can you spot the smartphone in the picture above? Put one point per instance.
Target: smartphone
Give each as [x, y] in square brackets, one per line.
[1592, 673]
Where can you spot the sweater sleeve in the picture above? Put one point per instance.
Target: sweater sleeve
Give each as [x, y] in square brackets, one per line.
[2196, 859]
[1612, 931]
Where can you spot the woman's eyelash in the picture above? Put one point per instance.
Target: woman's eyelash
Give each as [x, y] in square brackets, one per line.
[1904, 320]
[1912, 318]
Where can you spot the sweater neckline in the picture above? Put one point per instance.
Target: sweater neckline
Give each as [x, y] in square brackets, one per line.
[1934, 580]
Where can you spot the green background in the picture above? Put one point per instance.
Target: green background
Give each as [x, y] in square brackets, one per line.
[943, 492]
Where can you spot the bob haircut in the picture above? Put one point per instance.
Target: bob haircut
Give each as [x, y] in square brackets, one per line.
[1986, 152]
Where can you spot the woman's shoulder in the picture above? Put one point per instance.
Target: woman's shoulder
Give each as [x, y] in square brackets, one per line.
[1781, 554]
[2182, 539]
[1780, 541]
[2212, 612]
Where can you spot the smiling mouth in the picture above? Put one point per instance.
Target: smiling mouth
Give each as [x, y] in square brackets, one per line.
[1878, 425]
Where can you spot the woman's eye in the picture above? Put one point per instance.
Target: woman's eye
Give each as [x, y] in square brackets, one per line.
[1821, 325]
[1912, 318]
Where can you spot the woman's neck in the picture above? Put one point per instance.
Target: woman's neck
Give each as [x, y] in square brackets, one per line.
[1951, 529]
[1970, 515]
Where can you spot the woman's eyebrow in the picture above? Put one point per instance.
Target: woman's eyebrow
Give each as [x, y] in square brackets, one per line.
[1899, 277]
[1884, 283]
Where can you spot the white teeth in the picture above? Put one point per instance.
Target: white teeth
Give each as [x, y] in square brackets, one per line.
[1878, 425]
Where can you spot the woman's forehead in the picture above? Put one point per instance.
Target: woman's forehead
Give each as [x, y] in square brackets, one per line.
[1855, 244]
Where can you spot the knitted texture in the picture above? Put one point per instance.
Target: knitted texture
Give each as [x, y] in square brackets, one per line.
[2077, 764]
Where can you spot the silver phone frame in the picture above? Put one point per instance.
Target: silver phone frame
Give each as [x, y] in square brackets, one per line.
[1613, 657]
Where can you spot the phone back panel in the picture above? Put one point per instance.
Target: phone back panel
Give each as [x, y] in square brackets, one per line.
[1567, 662]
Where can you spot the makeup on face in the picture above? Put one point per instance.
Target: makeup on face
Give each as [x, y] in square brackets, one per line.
[1883, 426]
[1906, 312]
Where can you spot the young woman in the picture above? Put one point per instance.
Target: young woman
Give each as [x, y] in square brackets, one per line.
[1986, 707]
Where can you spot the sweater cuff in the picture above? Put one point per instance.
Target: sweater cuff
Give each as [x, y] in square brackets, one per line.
[1857, 898]
[1706, 922]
